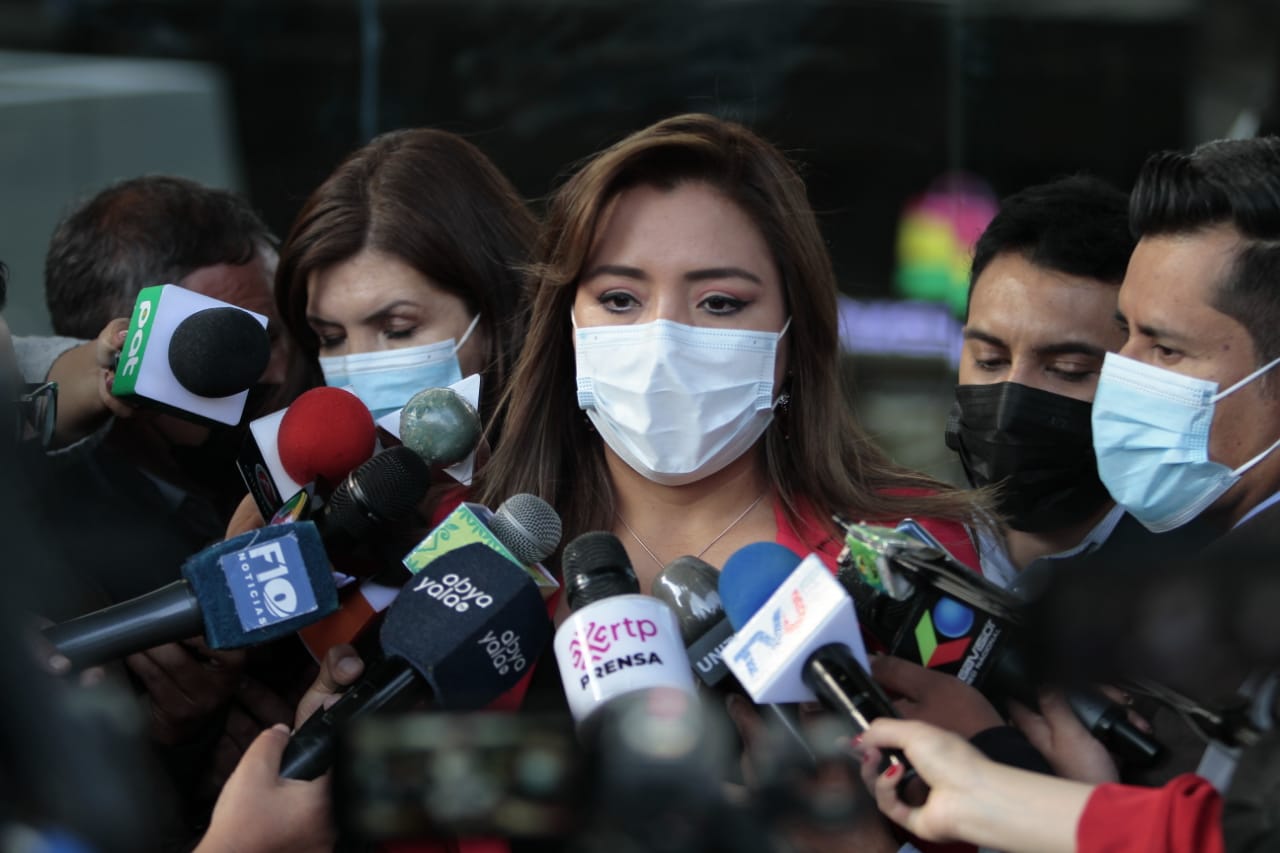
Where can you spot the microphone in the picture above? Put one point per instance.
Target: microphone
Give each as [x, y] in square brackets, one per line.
[925, 607]
[191, 355]
[798, 638]
[249, 590]
[380, 496]
[462, 632]
[525, 530]
[616, 640]
[323, 435]
[440, 426]
[690, 587]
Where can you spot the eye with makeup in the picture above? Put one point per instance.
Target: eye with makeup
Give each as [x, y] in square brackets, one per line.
[617, 301]
[722, 305]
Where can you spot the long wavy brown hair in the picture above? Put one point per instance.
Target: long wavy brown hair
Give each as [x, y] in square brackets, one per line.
[816, 453]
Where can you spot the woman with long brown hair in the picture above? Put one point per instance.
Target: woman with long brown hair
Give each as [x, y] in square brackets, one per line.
[404, 270]
[679, 384]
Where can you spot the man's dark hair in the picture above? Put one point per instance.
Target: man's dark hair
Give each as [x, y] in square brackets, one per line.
[4, 285]
[1228, 182]
[1076, 225]
[141, 232]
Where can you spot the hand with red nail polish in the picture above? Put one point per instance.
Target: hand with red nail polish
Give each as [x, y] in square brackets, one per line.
[970, 798]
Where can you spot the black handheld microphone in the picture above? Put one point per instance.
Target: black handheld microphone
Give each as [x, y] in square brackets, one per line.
[245, 591]
[462, 632]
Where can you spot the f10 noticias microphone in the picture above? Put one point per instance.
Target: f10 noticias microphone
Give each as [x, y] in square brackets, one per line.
[925, 607]
[192, 355]
[248, 590]
[465, 628]
[798, 637]
[616, 640]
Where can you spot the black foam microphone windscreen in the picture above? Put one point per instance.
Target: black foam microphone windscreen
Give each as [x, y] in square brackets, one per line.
[218, 352]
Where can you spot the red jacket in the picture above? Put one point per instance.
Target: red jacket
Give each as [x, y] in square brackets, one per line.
[1185, 816]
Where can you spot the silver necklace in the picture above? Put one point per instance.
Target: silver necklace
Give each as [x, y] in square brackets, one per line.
[707, 548]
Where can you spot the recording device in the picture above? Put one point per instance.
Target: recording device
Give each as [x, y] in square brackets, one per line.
[690, 587]
[465, 628]
[797, 639]
[324, 435]
[317, 441]
[525, 529]
[440, 426]
[922, 605]
[616, 640]
[455, 414]
[191, 355]
[245, 591]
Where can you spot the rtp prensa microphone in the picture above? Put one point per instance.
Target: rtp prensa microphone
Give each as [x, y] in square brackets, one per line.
[462, 632]
[924, 606]
[191, 355]
[248, 590]
[616, 640]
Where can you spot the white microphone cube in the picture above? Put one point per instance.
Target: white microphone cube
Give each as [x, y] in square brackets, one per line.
[144, 373]
[619, 645]
[808, 611]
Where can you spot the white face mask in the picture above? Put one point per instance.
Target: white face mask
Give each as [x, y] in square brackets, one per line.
[677, 403]
[385, 380]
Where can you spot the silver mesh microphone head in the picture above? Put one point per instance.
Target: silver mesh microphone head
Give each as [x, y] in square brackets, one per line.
[528, 527]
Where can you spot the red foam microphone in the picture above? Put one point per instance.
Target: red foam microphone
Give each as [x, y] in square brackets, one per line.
[325, 435]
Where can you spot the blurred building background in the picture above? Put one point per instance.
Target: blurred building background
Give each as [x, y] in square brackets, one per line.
[880, 101]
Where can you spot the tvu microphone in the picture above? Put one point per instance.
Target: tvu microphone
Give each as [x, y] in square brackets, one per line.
[798, 638]
[616, 640]
[462, 632]
[690, 587]
[191, 355]
[245, 591]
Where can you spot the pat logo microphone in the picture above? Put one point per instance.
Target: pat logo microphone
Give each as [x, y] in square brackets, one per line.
[191, 355]
[616, 640]
[259, 586]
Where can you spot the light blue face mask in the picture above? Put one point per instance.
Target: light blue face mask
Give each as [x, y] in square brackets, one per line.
[384, 380]
[1151, 437]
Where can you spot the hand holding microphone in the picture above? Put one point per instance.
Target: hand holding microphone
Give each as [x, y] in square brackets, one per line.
[465, 629]
[798, 639]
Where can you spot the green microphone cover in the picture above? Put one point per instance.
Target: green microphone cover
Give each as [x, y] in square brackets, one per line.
[440, 426]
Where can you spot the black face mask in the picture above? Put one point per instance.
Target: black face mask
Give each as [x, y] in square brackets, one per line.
[1038, 445]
